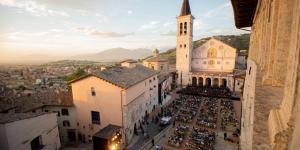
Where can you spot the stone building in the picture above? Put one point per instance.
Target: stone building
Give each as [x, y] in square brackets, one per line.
[161, 64]
[29, 131]
[157, 62]
[210, 64]
[119, 96]
[58, 102]
[271, 99]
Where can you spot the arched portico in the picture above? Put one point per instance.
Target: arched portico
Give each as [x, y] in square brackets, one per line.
[194, 81]
[200, 81]
[207, 82]
[216, 82]
[223, 83]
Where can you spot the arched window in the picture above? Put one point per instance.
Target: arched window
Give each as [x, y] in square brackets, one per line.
[185, 27]
[180, 28]
[93, 91]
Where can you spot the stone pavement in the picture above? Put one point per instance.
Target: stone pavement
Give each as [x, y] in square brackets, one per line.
[152, 129]
[221, 144]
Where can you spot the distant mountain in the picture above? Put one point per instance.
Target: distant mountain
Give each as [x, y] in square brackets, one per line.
[114, 54]
[240, 42]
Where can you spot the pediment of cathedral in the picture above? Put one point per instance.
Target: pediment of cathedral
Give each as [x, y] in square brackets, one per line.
[214, 48]
[214, 55]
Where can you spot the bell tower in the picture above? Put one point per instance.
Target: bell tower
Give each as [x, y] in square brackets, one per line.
[184, 43]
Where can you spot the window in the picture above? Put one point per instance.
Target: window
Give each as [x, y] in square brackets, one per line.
[204, 62]
[180, 29]
[153, 78]
[95, 117]
[150, 81]
[185, 28]
[161, 67]
[46, 110]
[184, 45]
[66, 123]
[180, 45]
[65, 112]
[249, 70]
[93, 91]
[153, 67]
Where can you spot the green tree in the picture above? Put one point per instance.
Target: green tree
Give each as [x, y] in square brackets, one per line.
[77, 74]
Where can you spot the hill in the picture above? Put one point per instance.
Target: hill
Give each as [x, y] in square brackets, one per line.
[114, 54]
[240, 42]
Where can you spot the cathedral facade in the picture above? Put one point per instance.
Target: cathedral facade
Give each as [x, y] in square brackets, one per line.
[211, 64]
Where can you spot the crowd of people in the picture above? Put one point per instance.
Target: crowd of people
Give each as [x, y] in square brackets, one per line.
[201, 139]
[178, 136]
[208, 115]
[221, 92]
[201, 114]
[188, 109]
[229, 121]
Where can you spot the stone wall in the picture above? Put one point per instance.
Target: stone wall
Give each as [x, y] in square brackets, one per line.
[274, 48]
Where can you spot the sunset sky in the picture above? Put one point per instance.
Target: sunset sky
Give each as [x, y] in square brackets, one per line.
[71, 27]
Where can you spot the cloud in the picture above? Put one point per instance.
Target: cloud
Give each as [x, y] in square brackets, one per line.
[94, 32]
[129, 12]
[33, 8]
[217, 10]
[198, 24]
[149, 26]
[169, 33]
[57, 30]
[167, 24]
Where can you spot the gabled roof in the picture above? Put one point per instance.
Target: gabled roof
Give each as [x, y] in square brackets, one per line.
[107, 132]
[185, 9]
[123, 77]
[37, 100]
[216, 39]
[244, 11]
[12, 117]
[42, 99]
[128, 61]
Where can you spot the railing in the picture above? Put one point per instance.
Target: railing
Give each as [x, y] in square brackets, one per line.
[148, 145]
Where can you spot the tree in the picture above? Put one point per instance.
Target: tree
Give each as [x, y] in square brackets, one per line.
[77, 74]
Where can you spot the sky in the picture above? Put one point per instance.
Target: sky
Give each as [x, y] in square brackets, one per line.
[72, 27]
